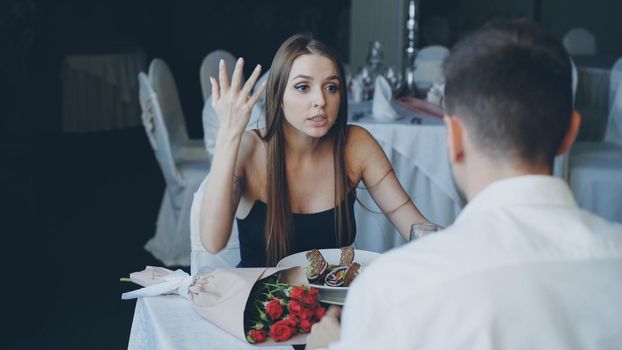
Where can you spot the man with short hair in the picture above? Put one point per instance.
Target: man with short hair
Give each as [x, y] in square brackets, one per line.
[522, 267]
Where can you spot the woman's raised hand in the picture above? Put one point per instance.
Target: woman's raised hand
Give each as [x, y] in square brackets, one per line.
[232, 101]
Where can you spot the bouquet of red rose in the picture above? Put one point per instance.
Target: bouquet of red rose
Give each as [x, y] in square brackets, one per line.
[280, 310]
[260, 305]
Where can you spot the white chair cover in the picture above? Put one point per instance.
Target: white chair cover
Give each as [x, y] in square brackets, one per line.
[580, 41]
[170, 243]
[560, 167]
[613, 133]
[596, 168]
[211, 122]
[209, 68]
[164, 85]
[575, 79]
[428, 64]
[200, 259]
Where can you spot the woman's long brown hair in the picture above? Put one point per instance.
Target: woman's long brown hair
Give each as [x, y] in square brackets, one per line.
[279, 222]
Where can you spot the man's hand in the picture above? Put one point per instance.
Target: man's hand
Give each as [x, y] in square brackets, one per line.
[326, 331]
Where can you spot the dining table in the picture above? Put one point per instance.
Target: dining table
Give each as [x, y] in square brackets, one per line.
[414, 143]
[170, 322]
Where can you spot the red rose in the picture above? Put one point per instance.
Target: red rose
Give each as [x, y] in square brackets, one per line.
[309, 299]
[257, 336]
[274, 309]
[319, 313]
[305, 326]
[294, 307]
[297, 292]
[305, 314]
[280, 331]
[313, 291]
[292, 321]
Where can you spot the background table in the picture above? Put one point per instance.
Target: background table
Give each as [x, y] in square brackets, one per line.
[170, 322]
[100, 91]
[415, 146]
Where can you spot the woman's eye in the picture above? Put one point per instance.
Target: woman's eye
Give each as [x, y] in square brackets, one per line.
[301, 87]
[332, 88]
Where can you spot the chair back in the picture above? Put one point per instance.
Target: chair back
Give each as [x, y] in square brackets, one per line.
[613, 133]
[158, 136]
[209, 68]
[575, 79]
[580, 41]
[429, 64]
[200, 258]
[615, 77]
[164, 85]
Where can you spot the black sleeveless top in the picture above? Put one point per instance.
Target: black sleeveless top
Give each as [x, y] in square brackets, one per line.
[311, 231]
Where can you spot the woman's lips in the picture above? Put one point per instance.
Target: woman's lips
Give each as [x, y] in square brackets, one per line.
[318, 120]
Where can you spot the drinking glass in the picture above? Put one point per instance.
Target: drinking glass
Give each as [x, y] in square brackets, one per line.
[421, 229]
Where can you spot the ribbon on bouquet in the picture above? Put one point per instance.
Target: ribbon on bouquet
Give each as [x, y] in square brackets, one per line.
[159, 281]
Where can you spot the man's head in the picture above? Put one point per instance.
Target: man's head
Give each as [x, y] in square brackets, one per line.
[508, 98]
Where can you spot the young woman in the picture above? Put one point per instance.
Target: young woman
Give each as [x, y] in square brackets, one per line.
[291, 186]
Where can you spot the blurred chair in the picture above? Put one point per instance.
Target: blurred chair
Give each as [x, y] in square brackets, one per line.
[171, 242]
[209, 68]
[429, 63]
[595, 168]
[615, 77]
[560, 167]
[580, 41]
[164, 85]
[200, 259]
[211, 122]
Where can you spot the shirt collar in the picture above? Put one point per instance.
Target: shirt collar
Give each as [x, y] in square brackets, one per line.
[535, 190]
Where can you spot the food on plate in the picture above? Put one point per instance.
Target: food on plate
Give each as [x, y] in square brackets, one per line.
[353, 271]
[318, 264]
[347, 256]
[321, 273]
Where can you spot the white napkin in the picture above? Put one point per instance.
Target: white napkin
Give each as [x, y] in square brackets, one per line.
[381, 106]
[177, 281]
[436, 93]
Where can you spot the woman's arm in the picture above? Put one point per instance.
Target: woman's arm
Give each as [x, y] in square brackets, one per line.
[226, 181]
[381, 183]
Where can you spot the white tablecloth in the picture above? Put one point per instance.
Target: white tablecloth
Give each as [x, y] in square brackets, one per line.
[419, 158]
[100, 92]
[418, 154]
[170, 322]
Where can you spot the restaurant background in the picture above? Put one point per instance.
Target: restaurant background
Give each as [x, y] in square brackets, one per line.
[79, 206]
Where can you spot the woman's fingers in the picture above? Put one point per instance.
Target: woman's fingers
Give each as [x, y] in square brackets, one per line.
[248, 86]
[236, 79]
[253, 99]
[223, 78]
[215, 91]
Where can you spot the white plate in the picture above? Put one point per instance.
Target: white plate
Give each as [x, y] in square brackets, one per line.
[330, 295]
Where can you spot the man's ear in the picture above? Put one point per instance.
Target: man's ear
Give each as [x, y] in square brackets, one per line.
[455, 146]
[571, 133]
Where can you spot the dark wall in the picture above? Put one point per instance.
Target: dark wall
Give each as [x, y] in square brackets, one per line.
[601, 17]
[36, 34]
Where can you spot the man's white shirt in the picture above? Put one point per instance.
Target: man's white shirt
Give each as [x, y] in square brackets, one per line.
[522, 267]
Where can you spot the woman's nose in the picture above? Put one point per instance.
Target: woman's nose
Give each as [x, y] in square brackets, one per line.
[318, 99]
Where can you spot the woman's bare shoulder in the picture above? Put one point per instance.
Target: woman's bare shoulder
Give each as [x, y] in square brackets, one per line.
[359, 139]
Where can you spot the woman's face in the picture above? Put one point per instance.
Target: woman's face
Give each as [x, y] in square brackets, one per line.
[311, 99]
